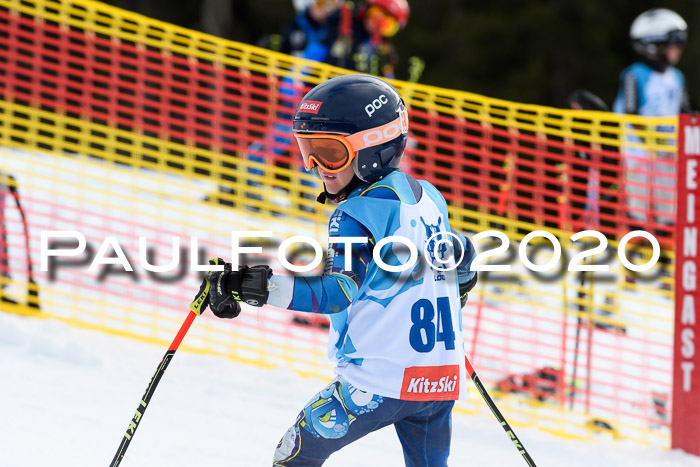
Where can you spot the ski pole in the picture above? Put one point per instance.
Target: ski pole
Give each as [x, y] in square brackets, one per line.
[497, 413]
[196, 308]
[33, 287]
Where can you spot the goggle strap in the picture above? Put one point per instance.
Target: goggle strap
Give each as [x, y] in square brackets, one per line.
[381, 134]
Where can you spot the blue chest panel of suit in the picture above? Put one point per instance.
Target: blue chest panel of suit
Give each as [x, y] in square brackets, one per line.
[658, 94]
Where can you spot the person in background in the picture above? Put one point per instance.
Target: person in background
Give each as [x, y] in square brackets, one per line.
[309, 35]
[371, 50]
[312, 32]
[652, 87]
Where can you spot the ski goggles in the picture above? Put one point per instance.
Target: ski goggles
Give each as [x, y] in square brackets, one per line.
[334, 153]
[385, 24]
[677, 37]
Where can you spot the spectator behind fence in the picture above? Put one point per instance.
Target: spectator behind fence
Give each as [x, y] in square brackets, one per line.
[329, 31]
[589, 185]
[313, 30]
[652, 87]
[370, 49]
[310, 34]
[346, 35]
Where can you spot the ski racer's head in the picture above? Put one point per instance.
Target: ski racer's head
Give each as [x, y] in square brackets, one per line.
[385, 18]
[351, 129]
[659, 35]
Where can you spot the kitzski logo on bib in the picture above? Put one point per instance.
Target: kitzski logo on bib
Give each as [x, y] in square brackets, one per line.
[311, 107]
[430, 383]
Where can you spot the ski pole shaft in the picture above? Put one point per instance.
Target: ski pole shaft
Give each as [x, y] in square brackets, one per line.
[197, 307]
[497, 413]
[141, 409]
[33, 287]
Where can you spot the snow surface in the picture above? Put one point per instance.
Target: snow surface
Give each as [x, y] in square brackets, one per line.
[67, 396]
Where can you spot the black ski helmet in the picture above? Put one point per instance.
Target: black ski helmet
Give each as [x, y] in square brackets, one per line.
[350, 104]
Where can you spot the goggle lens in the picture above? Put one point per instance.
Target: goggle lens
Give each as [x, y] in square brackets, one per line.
[333, 155]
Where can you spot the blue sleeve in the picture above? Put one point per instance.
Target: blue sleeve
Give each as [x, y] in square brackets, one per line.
[463, 244]
[337, 287]
[317, 52]
[629, 97]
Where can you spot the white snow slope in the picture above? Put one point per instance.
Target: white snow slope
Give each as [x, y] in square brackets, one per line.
[67, 396]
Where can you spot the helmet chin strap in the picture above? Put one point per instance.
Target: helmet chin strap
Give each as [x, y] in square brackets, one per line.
[341, 195]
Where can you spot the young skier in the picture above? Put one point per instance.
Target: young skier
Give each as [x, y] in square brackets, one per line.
[395, 336]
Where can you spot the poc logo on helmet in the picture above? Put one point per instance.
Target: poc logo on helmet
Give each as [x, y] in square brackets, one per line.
[376, 104]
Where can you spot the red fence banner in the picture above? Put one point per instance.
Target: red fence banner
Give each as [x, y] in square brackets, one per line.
[685, 429]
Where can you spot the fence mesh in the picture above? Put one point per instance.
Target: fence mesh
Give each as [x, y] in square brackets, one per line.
[116, 125]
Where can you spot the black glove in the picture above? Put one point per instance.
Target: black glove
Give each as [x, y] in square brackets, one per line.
[248, 284]
[221, 301]
[465, 288]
